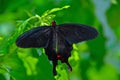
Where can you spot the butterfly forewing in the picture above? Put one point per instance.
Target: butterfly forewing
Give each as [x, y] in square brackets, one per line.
[75, 33]
[36, 37]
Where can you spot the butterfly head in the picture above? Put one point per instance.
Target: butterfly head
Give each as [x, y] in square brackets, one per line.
[53, 23]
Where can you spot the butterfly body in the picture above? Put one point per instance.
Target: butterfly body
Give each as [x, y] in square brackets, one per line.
[57, 40]
[58, 48]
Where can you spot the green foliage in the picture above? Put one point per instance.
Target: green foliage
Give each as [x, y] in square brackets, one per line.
[97, 59]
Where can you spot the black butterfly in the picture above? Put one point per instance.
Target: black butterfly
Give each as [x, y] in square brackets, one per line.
[57, 40]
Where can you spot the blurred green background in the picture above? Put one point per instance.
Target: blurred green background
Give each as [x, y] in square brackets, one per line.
[97, 59]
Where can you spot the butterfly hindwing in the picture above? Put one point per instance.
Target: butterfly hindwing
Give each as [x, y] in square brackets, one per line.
[36, 37]
[75, 33]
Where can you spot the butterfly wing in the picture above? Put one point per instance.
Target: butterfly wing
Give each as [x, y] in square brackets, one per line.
[36, 37]
[75, 33]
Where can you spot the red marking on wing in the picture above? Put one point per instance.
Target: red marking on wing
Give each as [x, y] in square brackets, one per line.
[58, 56]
